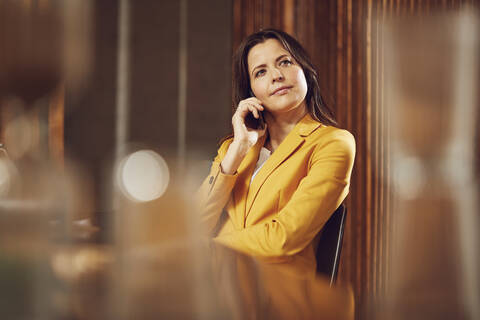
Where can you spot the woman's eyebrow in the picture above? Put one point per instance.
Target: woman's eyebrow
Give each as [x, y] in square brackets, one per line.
[276, 60]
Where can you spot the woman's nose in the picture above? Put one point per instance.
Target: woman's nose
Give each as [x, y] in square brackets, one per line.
[277, 75]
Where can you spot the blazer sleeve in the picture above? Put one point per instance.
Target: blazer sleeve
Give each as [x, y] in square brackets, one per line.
[215, 191]
[319, 193]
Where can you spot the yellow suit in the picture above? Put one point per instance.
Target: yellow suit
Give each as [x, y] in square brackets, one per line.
[276, 217]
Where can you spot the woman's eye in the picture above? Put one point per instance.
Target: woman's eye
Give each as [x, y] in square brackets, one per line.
[260, 73]
[285, 62]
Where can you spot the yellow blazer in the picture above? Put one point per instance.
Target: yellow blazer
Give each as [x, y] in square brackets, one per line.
[276, 217]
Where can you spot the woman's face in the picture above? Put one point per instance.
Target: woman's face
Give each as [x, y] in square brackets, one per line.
[276, 78]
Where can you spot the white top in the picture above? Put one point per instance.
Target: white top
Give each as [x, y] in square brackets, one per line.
[262, 158]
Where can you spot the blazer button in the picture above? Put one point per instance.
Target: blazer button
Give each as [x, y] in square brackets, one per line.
[211, 180]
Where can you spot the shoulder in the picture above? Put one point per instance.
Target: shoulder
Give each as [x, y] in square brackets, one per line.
[333, 145]
[327, 135]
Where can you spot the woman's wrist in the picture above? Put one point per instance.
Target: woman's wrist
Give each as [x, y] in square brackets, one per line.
[239, 148]
[234, 156]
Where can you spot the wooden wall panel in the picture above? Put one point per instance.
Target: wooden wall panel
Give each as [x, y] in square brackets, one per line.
[344, 39]
[253, 15]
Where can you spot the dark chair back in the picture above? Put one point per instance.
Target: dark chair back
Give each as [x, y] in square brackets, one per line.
[329, 244]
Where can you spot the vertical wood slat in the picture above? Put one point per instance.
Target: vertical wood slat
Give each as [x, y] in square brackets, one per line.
[3, 121]
[372, 156]
[289, 16]
[258, 15]
[252, 15]
[267, 15]
[250, 22]
[378, 156]
[56, 129]
[339, 58]
[381, 14]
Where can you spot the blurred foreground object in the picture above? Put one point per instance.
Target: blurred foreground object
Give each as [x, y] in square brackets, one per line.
[432, 96]
[260, 290]
[162, 266]
[41, 200]
[30, 48]
[41, 44]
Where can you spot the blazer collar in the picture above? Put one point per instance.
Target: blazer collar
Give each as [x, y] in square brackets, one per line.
[306, 126]
[288, 146]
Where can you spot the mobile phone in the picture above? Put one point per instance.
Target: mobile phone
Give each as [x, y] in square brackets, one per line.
[252, 122]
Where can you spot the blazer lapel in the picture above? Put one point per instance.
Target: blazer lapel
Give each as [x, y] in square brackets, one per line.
[288, 146]
[241, 189]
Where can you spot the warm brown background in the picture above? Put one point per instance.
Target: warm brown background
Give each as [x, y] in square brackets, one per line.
[344, 40]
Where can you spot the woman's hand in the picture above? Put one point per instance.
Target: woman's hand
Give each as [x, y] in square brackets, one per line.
[243, 136]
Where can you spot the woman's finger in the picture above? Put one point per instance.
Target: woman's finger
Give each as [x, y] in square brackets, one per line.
[255, 100]
[257, 105]
[254, 111]
[242, 110]
[245, 108]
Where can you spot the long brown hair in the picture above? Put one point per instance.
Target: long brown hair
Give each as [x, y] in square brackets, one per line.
[241, 89]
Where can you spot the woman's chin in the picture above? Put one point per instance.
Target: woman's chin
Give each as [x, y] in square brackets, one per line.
[287, 109]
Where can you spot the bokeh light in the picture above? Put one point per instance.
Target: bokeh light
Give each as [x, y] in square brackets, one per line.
[4, 178]
[143, 176]
[20, 136]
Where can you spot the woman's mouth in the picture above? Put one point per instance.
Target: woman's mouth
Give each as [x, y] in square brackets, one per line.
[281, 91]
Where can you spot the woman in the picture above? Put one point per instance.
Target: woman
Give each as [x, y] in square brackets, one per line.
[277, 184]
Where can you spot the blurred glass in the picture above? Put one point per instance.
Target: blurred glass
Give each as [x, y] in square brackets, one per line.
[30, 48]
[42, 43]
[163, 265]
[431, 88]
